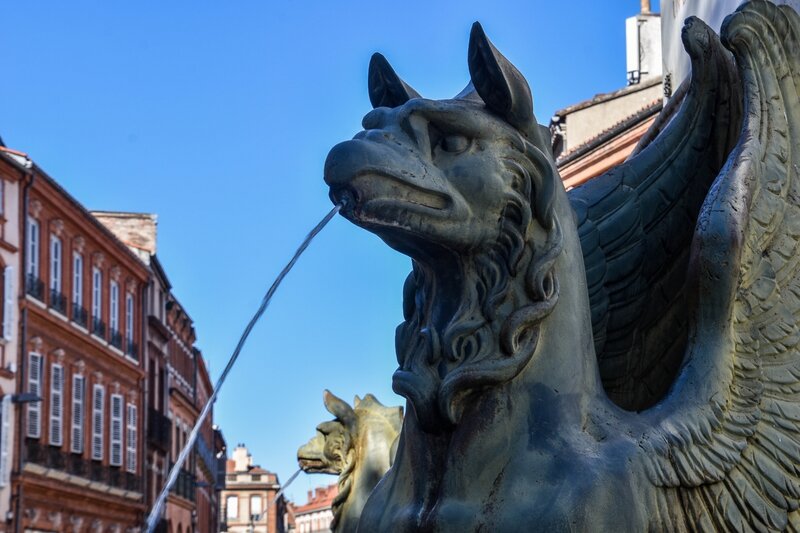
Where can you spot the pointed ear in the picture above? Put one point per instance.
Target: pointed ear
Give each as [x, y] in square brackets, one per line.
[501, 86]
[356, 401]
[386, 89]
[339, 408]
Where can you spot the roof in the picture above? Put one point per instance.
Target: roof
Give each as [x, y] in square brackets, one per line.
[611, 132]
[319, 499]
[605, 97]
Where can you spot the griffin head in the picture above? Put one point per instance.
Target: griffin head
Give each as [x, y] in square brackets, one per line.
[426, 174]
[467, 188]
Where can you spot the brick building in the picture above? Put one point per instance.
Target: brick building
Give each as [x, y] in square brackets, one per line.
[247, 500]
[315, 515]
[78, 456]
[178, 385]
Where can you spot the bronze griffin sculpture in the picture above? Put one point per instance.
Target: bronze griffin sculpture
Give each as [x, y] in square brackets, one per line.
[622, 357]
[358, 445]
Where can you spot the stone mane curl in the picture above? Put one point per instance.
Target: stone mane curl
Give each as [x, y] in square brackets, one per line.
[493, 334]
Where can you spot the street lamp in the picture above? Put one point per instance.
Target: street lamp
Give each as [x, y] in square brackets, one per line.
[25, 397]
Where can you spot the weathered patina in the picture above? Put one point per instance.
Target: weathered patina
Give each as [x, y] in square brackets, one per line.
[625, 357]
[358, 445]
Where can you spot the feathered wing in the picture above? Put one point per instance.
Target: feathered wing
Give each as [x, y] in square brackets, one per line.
[724, 448]
[636, 223]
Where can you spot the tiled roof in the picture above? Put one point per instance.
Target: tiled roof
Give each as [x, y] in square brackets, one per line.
[319, 499]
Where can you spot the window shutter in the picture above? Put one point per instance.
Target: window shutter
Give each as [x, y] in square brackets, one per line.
[115, 452]
[77, 279]
[56, 404]
[8, 303]
[34, 422]
[130, 459]
[5, 440]
[98, 397]
[78, 389]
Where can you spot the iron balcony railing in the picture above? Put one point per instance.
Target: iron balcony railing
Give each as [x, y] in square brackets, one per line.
[58, 302]
[79, 314]
[98, 327]
[55, 458]
[116, 339]
[185, 484]
[132, 349]
[35, 286]
[159, 430]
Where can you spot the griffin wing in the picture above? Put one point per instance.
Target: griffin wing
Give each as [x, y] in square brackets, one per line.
[724, 448]
[636, 224]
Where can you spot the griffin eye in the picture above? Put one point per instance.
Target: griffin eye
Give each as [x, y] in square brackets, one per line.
[454, 143]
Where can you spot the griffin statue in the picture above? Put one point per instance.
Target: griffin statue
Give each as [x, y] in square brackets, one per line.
[622, 357]
[358, 445]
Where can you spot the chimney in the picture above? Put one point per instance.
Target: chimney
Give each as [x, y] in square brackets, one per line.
[645, 7]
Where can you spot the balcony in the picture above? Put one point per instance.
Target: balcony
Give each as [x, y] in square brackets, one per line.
[35, 286]
[184, 486]
[159, 430]
[70, 463]
[132, 349]
[116, 339]
[99, 327]
[79, 315]
[58, 302]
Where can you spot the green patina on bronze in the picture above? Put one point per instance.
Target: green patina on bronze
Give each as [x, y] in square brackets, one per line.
[358, 445]
[622, 357]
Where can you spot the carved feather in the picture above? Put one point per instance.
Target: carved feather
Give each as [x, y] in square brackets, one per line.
[726, 440]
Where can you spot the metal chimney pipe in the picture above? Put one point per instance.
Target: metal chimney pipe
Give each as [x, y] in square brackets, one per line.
[645, 7]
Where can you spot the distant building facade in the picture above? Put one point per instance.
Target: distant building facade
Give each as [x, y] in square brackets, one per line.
[178, 385]
[316, 514]
[247, 500]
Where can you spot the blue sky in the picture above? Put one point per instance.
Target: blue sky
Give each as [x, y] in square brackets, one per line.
[218, 116]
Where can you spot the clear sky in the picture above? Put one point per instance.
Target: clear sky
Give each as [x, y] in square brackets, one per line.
[218, 116]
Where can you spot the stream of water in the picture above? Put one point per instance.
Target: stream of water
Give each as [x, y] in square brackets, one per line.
[155, 512]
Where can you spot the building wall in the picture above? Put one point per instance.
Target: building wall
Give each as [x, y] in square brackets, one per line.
[79, 463]
[243, 482]
[12, 175]
[584, 124]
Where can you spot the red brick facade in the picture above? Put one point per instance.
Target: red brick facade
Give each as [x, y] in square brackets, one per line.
[80, 450]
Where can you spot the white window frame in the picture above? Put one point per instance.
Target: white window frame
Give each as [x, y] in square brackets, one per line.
[97, 293]
[98, 413]
[129, 310]
[33, 416]
[56, 262]
[253, 498]
[77, 279]
[78, 413]
[56, 426]
[228, 507]
[32, 261]
[8, 303]
[113, 322]
[131, 438]
[115, 436]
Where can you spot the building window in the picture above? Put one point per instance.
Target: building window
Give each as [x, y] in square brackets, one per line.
[116, 340]
[130, 458]
[97, 299]
[115, 444]
[56, 404]
[77, 279]
[232, 504]
[256, 477]
[129, 348]
[255, 506]
[98, 399]
[34, 418]
[78, 392]
[32, 266]
[5, 440]
[8, 303]
[55, 264]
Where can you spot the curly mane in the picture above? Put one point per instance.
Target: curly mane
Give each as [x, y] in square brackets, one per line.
[493, 333]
